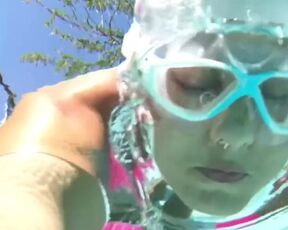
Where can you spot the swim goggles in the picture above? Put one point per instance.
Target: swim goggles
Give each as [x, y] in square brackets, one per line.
[198, 89]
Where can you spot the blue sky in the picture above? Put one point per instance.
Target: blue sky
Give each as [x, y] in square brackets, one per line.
[22, 31]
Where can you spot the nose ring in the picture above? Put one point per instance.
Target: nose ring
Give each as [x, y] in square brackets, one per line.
[221, 142]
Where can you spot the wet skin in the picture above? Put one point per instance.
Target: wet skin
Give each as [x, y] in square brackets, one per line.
[182, 147]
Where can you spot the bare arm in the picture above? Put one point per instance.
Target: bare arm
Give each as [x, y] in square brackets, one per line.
[68, 120]
[46, 193]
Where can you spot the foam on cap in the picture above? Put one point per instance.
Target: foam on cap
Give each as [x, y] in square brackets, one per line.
[249, 10]
[158, 20]
[167, 15]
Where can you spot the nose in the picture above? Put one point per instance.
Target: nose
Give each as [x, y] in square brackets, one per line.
[236, 127]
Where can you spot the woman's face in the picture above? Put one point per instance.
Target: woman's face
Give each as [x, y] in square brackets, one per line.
[187, 153]
[207, 174]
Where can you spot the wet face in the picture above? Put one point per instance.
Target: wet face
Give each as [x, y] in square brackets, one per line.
[188, 155]
[207, 174]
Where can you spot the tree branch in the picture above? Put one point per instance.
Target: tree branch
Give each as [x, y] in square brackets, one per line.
[79, 26]
[11, 97]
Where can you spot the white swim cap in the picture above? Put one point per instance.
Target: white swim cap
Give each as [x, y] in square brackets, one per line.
[158, 20]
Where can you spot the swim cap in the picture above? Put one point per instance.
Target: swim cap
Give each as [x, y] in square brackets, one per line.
[160, 20]
[155, 21]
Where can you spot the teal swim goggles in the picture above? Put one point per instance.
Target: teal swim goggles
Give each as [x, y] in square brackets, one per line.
[197, 89]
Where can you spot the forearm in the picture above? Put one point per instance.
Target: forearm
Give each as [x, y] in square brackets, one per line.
[31, 188]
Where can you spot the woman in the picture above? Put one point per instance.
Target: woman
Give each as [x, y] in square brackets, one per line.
[198, 139]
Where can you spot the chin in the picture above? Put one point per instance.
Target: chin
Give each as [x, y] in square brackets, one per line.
[218, 205]
[219, 211]
[221, 208]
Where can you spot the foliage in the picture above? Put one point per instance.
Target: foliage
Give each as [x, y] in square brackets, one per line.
[93, 27]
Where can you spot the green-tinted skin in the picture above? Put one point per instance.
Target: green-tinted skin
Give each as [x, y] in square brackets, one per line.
[181, 146]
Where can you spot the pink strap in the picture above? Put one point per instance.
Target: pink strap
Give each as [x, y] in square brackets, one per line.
[121, 226]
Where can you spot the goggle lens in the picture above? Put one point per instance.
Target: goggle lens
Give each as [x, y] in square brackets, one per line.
[275, 94]
[199, 89]
[196, 89]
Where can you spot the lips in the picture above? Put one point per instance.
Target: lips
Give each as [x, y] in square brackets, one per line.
[222, 176]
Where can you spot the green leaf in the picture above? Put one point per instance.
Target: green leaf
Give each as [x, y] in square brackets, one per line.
[60, 13]
[89, 26]
[36, 58]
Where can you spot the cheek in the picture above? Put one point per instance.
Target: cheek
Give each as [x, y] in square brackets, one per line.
[275, 162]
[267, 166]
[177, 147]
[169, 144]
[266, 137]
[176, 140]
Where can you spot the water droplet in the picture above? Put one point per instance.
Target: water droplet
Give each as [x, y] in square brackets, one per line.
[220, 36]
[280, 41]
[200, 52]
[206, 97]
[249, 16]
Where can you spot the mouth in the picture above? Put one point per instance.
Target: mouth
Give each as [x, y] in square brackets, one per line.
[221, 175]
